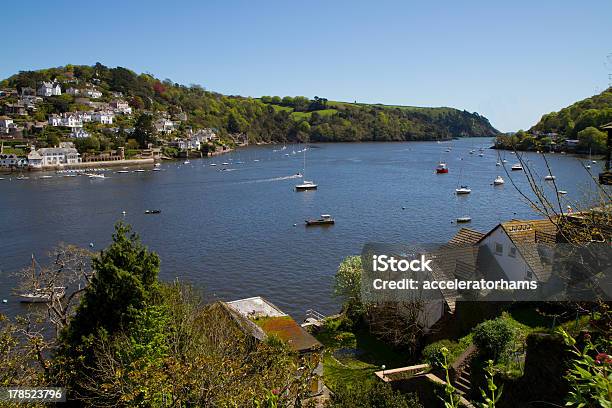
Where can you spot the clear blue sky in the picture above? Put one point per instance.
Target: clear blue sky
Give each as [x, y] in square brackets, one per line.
[511, 62]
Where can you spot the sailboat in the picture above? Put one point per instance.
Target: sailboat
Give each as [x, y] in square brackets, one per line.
[187, 161]
[462, 189]
[588, 166]
[306, 184]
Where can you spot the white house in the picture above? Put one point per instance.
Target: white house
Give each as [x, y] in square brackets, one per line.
[106, 118]
[73, 91]
[164, 125]
[120, 106]
[71, 120]
[49, 89]
[79, 134]
[191, 144]
[514, 245]
[205, 135]
[6, 124]
[57, 156]
[92, 93]
[34, 159]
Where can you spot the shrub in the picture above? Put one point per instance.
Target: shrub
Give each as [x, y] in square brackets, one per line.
[371, 395]
[432, 353]
[493, 337]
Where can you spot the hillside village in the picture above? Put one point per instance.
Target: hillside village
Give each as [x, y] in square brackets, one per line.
[61, 139]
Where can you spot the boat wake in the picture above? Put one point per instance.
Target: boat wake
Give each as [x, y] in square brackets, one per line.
[270, 180]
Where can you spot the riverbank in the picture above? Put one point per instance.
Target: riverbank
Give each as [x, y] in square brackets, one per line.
[97, 164]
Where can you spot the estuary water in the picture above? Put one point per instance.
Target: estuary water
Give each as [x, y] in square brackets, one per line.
[240, 232]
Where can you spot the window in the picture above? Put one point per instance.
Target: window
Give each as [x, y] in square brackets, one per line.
[499, 249]
[512, 252]
[529, 274]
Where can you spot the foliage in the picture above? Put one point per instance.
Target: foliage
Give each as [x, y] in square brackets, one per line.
[371, 395]
[493, 337]
[347, 286]
[433, 355]
[268, 119]
[590, 374]
[144, 131]
[491, 398]
[590, 112]
[592, 139]
[451, 396]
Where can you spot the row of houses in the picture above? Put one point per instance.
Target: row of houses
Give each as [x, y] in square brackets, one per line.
[76, 119]
[195, 140]
[64, 154]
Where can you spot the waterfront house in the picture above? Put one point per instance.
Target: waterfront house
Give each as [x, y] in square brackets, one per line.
[58, 156]
[188, 144]
[34, 159]
[12, 161]
[260, 319]
[49, 89]
[205, 135]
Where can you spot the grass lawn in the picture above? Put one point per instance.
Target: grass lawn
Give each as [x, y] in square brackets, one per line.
[299, 116]
[352, 357]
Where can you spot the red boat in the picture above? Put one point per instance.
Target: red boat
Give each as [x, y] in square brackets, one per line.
[442, 168]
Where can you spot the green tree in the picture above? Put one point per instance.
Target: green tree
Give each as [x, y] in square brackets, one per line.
[493, 337]
[347, 286]
[144, 131]
[593, 139]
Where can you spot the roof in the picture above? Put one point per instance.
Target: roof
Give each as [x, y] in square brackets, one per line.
[272, 321]
[526, 235]
[466, 236]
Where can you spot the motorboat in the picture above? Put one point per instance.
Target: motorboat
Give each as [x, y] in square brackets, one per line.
[225, 164]
[498, 164]
[463, 190]
[325, 219]
[139, 171]
[122, 171]
[96, 176]
[442, 168]
[46, 177]
[462, 220]
[562, 192]
[499, 180]
[517, 167]
[549, 177]
[152, 211]
[306, 185]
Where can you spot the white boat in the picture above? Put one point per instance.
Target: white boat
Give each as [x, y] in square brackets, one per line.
[516, 167]
[156, 169]
[464, 219]
[139, 171]
[46, 177]
[499, 180]
[42, 295]
[504, 161]
[256, 160]
[69, 175]
[463, 190]
[96, 176]
[186, 162]
[225, 164]
[481, 154]
[123, 171]
[498, 164]
[549, 177]
[594, 161]
[157, 165]
[306, 184]
[22, 178]
[213, 164]
[562, 192]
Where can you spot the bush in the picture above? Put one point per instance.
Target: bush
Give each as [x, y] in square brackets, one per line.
[493, 337]
[371, 395]
[432, 353]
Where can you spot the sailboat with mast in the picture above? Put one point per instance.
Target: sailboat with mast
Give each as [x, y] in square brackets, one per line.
[306, 184]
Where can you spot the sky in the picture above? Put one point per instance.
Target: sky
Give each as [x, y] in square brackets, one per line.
[510, 61]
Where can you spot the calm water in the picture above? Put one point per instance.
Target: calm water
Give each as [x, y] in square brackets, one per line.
[233, 233]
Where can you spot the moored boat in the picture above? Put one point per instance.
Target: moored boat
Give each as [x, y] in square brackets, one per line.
[325, 219]
[549, 177]
[42, 295]
[463, 190]
[516, 167]
[442, 168]
[152, 211]
[499, 180]
[463, 219]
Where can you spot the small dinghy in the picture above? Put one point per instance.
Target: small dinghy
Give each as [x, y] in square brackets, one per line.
[499, 180]
[462, 220]
[550, 177]
[562, 192]
[152, 211]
